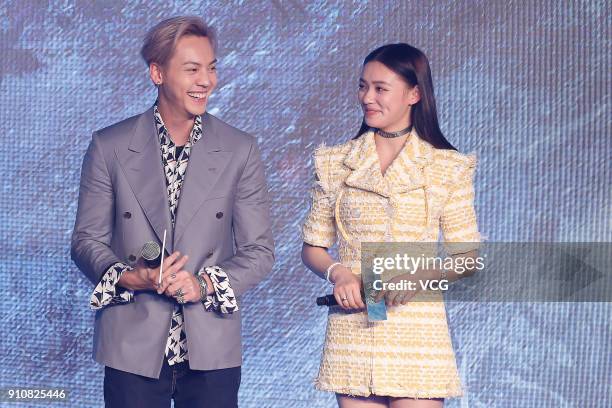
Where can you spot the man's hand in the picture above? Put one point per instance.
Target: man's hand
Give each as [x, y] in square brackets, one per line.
[175, 279]
[184, 283]
[144, 278]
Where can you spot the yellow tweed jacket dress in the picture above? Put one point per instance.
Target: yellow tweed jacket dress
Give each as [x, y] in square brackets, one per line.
[424, 190]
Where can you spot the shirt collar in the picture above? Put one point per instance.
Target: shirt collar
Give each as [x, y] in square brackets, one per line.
[164, 135]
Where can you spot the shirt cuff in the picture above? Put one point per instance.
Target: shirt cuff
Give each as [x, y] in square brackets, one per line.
[107, 292]
[223, 299]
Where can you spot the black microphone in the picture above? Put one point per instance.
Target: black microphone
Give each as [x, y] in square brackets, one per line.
[328, 300]
[151, 253]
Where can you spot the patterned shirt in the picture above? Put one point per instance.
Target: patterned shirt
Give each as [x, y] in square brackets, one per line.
[174, 159]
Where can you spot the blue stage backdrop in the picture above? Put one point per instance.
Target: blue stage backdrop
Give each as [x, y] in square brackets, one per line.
[525, 85]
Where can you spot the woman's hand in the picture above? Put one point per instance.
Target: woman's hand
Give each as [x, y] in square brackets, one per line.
[403, 296]
[347, 288]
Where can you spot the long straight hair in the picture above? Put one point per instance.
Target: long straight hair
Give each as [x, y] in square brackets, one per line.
[413, 67]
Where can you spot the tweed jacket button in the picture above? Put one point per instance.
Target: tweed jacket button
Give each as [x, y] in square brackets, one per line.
[208, 255]
[219, 215]
[132, 258]
[127, 215]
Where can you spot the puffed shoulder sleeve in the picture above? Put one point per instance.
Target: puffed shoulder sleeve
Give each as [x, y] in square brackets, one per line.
[319, 227]
[458, 220]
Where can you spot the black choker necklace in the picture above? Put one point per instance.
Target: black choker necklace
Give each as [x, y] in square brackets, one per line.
[391, 135]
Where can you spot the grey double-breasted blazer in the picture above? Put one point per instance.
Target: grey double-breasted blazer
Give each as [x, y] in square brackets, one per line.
[222, 219]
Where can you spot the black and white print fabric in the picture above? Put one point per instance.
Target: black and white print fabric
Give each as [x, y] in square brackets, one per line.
[175, 168]
[223, 300]
[107, 292]
[175, 163]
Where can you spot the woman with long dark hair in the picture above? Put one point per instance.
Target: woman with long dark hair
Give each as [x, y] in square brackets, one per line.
[398, 180]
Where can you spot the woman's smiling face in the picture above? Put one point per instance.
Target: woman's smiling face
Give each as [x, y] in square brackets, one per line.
[386, 99]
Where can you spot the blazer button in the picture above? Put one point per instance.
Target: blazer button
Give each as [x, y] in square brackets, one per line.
[219, 215]
[208, 255]
[127, 214]
[132, 258]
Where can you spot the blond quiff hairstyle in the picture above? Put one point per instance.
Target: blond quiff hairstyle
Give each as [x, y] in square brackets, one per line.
[160, 41]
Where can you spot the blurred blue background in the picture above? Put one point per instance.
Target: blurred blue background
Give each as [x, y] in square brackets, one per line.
[525, 85]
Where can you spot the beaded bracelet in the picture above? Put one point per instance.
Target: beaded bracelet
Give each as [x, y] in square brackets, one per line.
[329, 269]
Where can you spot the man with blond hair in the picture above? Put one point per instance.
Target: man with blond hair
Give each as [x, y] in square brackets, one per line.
[178, 177]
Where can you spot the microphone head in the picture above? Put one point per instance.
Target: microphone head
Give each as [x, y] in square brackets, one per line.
[151, 251]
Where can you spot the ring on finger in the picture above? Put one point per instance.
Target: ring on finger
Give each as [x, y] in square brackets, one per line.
[179, 293]
[173, 275]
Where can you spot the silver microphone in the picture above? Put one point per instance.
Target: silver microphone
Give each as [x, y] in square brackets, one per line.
[151, 253]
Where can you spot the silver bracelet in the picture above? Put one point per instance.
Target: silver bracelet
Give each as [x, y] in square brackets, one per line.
[203, 288]
[329, 269]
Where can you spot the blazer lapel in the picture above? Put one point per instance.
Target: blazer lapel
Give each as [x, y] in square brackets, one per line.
[362, 159]
[207, 161]
[144, 171]
[408, 171]
[411, 170]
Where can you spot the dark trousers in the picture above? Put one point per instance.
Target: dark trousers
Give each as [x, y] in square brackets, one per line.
[189, 388]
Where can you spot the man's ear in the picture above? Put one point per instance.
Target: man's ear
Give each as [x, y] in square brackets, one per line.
[155, 72]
